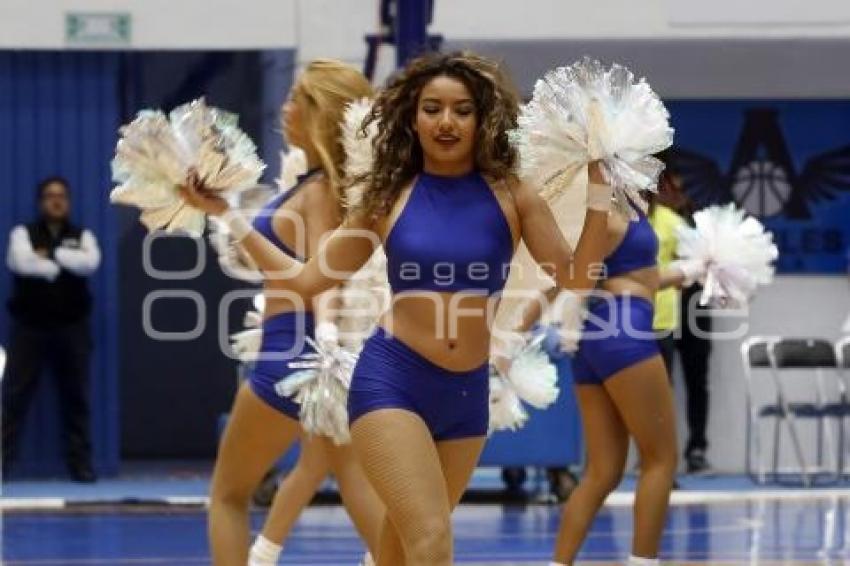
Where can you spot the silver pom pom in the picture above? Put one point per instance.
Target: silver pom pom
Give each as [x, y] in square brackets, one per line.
[584, 113]
[253, 319]
[155, 153]
[321, 389]
[235, 261]
[246, 344]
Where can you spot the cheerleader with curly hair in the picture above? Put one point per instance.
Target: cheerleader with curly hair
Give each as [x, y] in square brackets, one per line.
[444, 201]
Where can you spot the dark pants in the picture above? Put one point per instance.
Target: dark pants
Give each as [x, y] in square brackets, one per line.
[694, 351]
[66, 351]
[667, 345]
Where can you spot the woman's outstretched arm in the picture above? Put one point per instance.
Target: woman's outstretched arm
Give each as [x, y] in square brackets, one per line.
[575, 270]
[340, 254]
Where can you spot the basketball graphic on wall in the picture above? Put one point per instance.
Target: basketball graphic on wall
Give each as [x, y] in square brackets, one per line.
[762, 177]
[762, 188]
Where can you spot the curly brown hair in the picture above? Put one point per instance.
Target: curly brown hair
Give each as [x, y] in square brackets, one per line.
[397, 151]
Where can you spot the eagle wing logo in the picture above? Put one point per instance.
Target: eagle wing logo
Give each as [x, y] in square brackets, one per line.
[762, 178]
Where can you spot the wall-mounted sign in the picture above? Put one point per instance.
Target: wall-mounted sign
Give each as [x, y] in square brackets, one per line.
[103, 28]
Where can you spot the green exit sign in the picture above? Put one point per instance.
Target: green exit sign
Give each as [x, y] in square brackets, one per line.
[112, 28]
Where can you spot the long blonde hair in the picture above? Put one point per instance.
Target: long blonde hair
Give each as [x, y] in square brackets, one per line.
[327, 87]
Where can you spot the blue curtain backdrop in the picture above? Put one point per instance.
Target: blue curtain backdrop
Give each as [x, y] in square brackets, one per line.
[58, 115]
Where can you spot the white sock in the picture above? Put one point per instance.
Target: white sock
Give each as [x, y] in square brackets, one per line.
[367, 560]
[638, 561]
[264, 552]
[558, 564]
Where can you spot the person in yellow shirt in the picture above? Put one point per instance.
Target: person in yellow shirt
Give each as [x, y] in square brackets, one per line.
[666, 223]
[668, 212]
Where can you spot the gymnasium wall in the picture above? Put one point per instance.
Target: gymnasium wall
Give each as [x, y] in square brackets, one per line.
[648, 19]
[336, 27]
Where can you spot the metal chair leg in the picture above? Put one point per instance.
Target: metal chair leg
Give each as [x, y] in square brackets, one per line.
[748, 444]
[753, 447]
[777, 445]
[759, 451]
[833, 449]
[842, 450]
[798, 448]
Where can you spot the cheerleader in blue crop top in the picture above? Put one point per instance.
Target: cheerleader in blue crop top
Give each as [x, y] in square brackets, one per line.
[618, 330]
[623, 390]
[263, 424]
[455, 222]
[442, 200]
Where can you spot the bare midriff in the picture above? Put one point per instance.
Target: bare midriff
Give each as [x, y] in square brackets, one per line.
[449, 329]
[639, 283]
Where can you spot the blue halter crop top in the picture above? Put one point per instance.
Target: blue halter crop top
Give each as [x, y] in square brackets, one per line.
[451, 236]
[639, 249]
[263, 220]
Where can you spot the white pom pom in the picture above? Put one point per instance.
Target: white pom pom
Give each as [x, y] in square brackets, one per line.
[224, 156]
[366, 294]
[233, 260]
[293, 383]
[568, 316]
[292, 164]
[584, 113]
[155, 153]
[321, 389]
[253, 319]
[323, 409]
[246, 344]
[365, 297]
[358, 147]
[737, 249]
[533, 376]
[259, 302]
[506, 410]
[143, 194]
